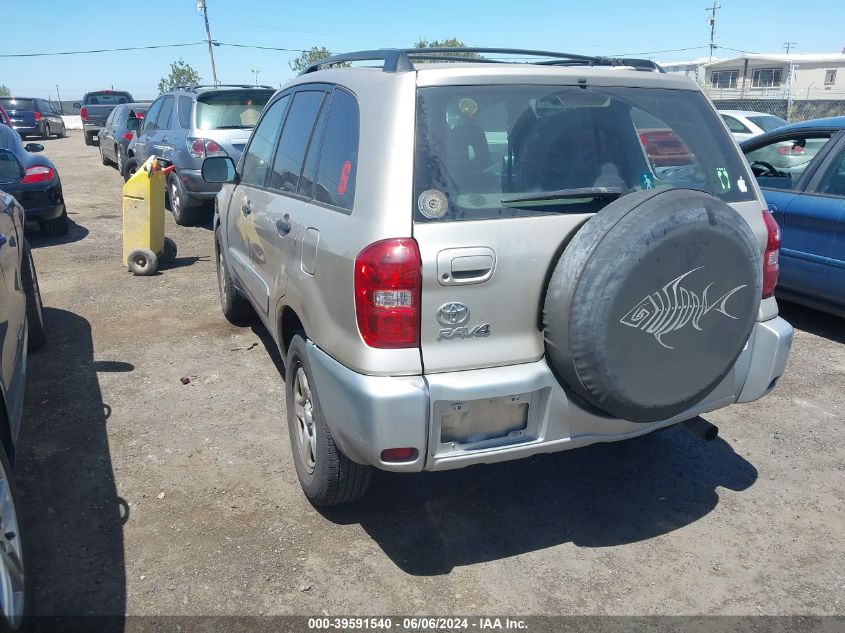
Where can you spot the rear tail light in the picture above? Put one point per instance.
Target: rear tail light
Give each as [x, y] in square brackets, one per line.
[398, 454]
[388, 289]
[37, 174]
[83, 113]
[771, 267]
[204, 148]
[37, 117]
[128, 136]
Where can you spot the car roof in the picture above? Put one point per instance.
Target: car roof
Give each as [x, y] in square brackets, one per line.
[746, 113]
[432, 74]
[834, 122]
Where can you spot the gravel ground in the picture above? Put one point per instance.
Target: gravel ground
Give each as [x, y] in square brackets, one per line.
[144, 496]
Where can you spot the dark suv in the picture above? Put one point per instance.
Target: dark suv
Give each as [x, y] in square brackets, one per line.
[34, 116]
[185, 126]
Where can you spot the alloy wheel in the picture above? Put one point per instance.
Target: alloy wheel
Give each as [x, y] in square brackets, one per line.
[11, 558]
[306, 439]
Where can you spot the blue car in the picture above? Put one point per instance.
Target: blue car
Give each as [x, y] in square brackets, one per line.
[801, 169]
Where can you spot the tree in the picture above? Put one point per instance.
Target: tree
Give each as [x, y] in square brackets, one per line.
[306, 58]
[450, 43]
[181, 74]
[4, 91]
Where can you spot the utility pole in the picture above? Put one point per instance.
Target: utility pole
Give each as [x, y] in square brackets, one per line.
[788, 45]
[59, 96]
[712, 11]
[201, 7]
[256, 73]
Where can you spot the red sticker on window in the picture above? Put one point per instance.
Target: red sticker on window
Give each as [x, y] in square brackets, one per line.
[344, 178]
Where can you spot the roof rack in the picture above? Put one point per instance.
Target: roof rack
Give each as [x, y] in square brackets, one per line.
[195, 87]
[401, 59]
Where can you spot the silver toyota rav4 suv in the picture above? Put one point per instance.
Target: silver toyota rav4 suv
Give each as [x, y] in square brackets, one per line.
[466, 262]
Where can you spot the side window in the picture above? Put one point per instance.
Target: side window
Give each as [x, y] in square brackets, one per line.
[110, 120]
[152, 114]
[260, 151]
[185, 105]
[308, 179]
[163, 118]
[735, 126]
[833, 182]
[339, 157]
[779, 164]
[294, 140]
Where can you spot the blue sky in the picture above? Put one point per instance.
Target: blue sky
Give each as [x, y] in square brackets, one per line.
[611, 27]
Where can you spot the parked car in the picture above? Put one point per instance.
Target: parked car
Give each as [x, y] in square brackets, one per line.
[745, 124]
[184, 126]
[4, 118]
[801, 170]
[23, 331]
[31, 116]
[119, 130]
[439, 306]
[96, 107]
[35, 182]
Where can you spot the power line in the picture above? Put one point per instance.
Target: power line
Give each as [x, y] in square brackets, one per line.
[788, 45]
[101, 50]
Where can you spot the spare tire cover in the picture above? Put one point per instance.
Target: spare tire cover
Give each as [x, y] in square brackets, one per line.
[651, 303]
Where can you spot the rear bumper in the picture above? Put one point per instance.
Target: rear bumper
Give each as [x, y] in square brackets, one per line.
[42, 204]
[91, 128]
[367, 414]
[196, 186]
[26, 131]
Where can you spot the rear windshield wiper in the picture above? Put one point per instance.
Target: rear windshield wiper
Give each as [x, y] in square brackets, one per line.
[233, 127]
[596, 193]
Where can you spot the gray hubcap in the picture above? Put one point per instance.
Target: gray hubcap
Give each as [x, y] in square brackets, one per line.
[175, 200]
[119, 160]
[306, 438]
[221, 278]
[11, 559]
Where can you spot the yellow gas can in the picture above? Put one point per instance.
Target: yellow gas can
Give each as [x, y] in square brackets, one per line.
[144, 243]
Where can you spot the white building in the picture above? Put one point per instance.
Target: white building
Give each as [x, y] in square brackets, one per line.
[807, 76]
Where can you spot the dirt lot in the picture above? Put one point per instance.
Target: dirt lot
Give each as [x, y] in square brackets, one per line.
[142, 495]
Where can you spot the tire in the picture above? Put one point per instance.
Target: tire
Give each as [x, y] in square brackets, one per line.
[121, 160]
[327, 476]
[235, 307]
[12, 555]
[168, 254]
[142, 262]
[652, 302]
[103, 158]
[130, 168]
[89, 138]
[56, 226]
[63, 131]
[34, 306]
[183, 213]
[45, 133]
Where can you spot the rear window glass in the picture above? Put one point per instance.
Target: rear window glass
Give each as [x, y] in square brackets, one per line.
[231, 109]
[9, 103]
[767, 123]
[107, 98]
[508, 151]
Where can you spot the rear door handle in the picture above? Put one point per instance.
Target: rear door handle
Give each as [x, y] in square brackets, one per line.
[164, 139]
[283, 225]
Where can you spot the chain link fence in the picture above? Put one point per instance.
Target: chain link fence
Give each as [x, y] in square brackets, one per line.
[792, 109]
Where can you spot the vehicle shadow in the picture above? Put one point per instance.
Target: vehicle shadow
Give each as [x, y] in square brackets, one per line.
[182, 262]
[822, 324]
[72, 517]
[37, 238]
[598, 496]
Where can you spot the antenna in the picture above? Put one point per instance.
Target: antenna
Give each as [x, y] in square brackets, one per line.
[712, 11]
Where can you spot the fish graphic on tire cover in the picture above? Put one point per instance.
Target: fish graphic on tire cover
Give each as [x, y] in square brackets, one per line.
[673, 307]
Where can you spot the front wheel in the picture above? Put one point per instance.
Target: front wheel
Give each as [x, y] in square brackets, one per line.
[45, 134]
[142, 262]
[327, 476]
[103, 158]
[129, 169]
[235, 307]
[89, 138]
[34, 306]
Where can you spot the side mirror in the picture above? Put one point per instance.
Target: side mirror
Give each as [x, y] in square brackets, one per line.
[219, 169]
[77, 105]
[34, 147]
